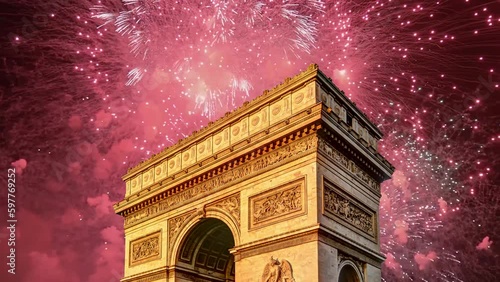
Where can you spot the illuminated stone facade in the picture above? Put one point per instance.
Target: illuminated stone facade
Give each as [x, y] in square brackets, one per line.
[285, 188]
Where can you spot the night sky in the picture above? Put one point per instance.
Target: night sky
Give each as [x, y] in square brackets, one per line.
[91, 88]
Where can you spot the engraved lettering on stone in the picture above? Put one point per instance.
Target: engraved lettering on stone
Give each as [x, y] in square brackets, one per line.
[276, 271]
[344, 208]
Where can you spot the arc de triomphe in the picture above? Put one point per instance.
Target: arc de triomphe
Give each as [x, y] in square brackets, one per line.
[285, 188]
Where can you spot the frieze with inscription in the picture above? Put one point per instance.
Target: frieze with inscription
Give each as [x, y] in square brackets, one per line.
[349, 165]
[218, 182]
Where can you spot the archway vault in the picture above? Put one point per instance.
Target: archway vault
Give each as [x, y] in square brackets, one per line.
[182, 225]
[204, 251]
[349, 272]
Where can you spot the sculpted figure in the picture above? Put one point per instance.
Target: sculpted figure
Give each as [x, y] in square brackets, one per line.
[275, 271]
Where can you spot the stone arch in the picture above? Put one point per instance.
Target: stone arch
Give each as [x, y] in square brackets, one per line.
[202, 251]
[193, 218]
[349, 272]
[228, 218]
[264, 168]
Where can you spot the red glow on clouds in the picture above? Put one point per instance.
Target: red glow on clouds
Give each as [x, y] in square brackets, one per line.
[82, 103]
[485, 244]
[424, 260]
[19, 165]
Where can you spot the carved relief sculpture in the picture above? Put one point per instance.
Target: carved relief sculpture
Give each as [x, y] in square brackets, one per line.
[277, 204]
[145, 249]
[343, 257]
[252, 184]
[216, 183]
[274, 271]
[346, 209]
[349, 165]
[230, 204]
[175, 225]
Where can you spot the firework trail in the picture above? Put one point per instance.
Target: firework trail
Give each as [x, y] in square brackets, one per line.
[93, 87]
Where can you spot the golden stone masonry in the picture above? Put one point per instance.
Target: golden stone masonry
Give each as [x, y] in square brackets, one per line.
[285, 188]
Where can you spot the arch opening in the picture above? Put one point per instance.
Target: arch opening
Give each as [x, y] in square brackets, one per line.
[204, 252]
[348, 274]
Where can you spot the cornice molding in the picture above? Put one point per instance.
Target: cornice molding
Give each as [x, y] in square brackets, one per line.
[308, 99]
[280, 130]
[256, 162]
[337, 131]
[283, 101]
[295, 81]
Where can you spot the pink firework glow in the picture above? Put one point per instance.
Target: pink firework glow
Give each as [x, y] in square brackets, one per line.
[90, 88]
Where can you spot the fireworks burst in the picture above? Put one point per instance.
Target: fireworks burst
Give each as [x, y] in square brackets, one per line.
[94, 87]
